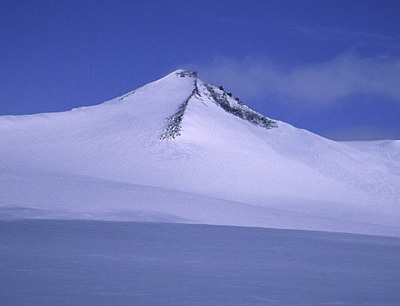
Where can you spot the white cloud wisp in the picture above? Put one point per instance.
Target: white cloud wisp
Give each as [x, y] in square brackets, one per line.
[313, 85]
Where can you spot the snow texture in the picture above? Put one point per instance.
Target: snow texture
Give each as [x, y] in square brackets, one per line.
[115, 263]
[181, 150]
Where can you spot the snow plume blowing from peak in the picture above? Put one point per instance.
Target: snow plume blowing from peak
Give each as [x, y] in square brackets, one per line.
[182, 150]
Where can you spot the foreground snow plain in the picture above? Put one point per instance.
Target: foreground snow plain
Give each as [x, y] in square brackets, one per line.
[120, 161]
[54, 262]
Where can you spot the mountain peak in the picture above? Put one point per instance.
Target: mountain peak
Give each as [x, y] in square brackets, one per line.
[217, 162]
[209, 94]
[180, 73]
[186, 73]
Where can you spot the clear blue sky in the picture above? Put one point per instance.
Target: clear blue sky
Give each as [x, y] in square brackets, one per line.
[332, 67]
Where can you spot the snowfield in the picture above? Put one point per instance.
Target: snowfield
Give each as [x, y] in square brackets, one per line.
[51, 262]
[181, 150]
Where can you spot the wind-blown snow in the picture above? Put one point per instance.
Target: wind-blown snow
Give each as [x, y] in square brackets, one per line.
[170, 151]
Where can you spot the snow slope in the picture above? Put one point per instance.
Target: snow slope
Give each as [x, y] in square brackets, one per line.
[181, 150]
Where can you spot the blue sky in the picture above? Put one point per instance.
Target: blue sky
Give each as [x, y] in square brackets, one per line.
[332, 67]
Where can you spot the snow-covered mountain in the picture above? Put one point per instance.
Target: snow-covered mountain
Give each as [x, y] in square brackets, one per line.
[182, 150]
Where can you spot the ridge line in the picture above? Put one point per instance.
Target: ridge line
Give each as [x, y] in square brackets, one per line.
[174, 122]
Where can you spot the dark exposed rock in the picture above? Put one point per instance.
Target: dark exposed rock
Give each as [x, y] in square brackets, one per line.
[225, 100]
[174, 126]
[187, 73]
[238, 108]
[174, 122]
